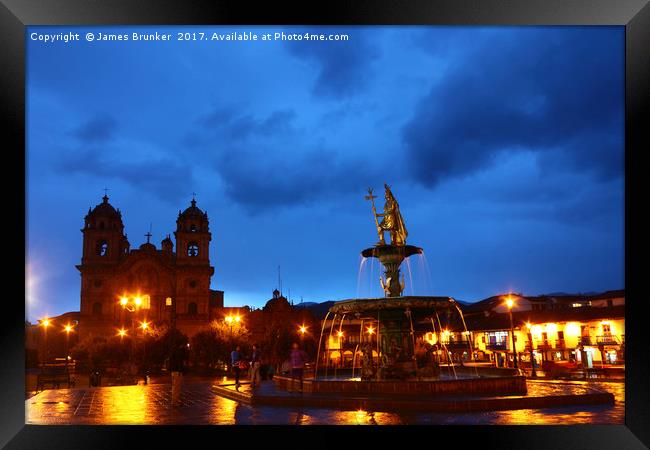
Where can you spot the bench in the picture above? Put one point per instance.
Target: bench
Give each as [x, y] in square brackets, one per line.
[53, 375]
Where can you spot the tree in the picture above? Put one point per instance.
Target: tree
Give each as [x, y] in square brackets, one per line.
[208, 350]
[159, 350]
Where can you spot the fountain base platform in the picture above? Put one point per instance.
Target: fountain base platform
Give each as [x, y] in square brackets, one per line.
[270, 394]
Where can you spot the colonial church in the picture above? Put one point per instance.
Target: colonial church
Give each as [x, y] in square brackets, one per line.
[163, 285]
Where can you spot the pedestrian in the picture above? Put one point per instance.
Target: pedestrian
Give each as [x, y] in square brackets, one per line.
[256, 379]
[177, 368]
[297, 359]
[235, 357]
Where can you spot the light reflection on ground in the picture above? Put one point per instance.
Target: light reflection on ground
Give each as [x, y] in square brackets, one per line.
[151, 405]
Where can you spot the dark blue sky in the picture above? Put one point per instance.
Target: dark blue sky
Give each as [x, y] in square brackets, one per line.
[504, 147]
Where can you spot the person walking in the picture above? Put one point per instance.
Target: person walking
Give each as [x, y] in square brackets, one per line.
[256, 379]
[297, 359]
[235, 357]
[177, 368]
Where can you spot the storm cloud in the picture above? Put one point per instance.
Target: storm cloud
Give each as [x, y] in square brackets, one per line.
[343, 66]
[564, 100]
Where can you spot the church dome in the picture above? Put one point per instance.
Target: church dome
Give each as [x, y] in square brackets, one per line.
[277, 303]
[105, 209]
[104, 217]
[148, 247]
[192, 212]
[192, 220]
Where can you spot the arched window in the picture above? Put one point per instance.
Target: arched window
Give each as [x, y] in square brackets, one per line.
[97, 309]
[192, 309]
[192, 249]
[193, 228]
[102, 248]
[101, 225]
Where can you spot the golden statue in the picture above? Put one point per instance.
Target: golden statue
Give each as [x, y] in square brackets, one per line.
[391, 219]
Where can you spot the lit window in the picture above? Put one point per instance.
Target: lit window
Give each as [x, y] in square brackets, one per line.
[192, 249]
[168, 301]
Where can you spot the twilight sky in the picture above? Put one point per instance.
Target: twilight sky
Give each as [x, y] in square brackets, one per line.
[503, 145]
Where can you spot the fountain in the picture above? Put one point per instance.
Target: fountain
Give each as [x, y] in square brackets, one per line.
[387, 331]
[387, 374]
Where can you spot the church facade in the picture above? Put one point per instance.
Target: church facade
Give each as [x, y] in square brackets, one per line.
[163, 286]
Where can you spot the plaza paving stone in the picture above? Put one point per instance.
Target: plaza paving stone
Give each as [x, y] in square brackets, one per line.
[200, 404]
[149, 404]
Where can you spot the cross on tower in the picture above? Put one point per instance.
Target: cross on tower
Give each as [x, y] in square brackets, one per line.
[148, 235]
[106, 191]
[193, 195]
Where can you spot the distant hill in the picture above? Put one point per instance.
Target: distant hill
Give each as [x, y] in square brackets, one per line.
[317, 309]
[559, 294]
[305, 304]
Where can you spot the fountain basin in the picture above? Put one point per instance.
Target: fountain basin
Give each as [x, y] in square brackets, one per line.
[367, 305]
[503, 385]
[397, 252]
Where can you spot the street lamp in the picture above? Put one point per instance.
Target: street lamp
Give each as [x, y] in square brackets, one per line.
[230, 320]
[132, 304]
[532, 355]
[45, 323]
[68, 328]
[510, 303]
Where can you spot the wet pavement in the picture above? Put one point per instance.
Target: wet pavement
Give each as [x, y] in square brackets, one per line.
[151, 404]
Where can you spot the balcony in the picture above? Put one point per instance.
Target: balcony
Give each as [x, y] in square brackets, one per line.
[608, 340]
[544, 346]
[458, 343]
[586, 340]
[497, 345]
[560, 344]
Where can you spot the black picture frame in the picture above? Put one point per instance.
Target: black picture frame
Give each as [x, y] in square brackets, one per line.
[15, 15]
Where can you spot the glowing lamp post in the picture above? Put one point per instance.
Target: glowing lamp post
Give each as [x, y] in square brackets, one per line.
[132, 304]
[68, 328]
[532, 355]
[510, 303]
[45, 323]
[370, 330]
[230, 320]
